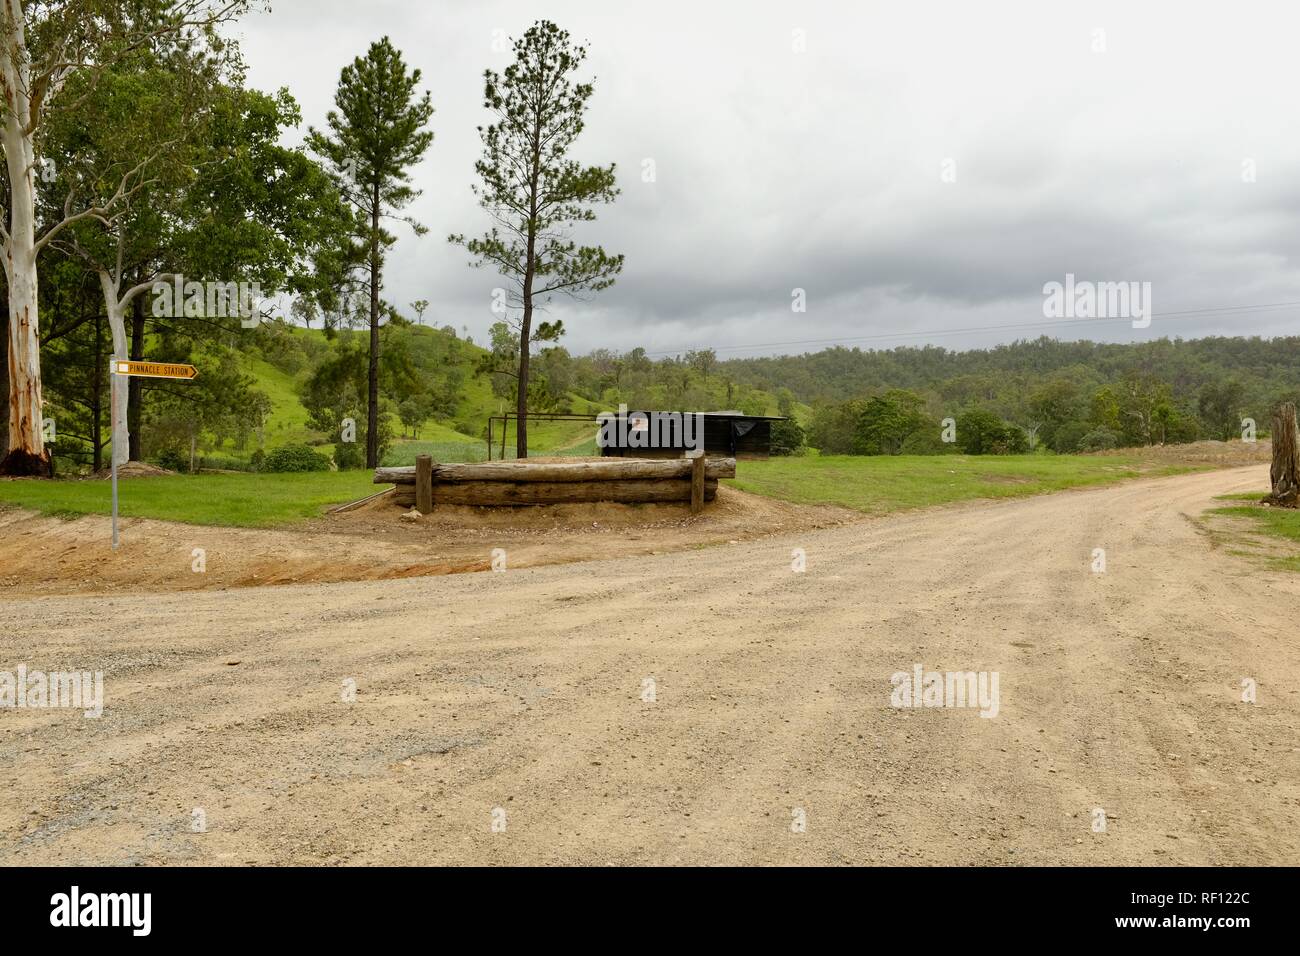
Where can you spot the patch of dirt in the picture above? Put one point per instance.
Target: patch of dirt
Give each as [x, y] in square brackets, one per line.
[133, 469]
[1241, 536]
[47, 555]
[1221, 453]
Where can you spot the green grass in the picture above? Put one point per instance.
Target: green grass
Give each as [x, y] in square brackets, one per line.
[1283, 523]
[405, 452]
[287, 422]
[443, 443]
[881, 484]
[245, 501]
[1279, 522]
[1274, 522]
[875, 485]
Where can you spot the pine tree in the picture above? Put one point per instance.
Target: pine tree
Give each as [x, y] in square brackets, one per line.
[375, 135]
[534, 192]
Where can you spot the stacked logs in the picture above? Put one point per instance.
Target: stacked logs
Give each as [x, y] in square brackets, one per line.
[511, 483]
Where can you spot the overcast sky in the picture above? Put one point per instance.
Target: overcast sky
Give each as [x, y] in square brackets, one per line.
[804, 145]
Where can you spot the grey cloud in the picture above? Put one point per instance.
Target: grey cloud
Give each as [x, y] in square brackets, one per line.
[821, 170]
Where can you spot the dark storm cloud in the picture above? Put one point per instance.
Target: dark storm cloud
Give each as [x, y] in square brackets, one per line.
[915, 169]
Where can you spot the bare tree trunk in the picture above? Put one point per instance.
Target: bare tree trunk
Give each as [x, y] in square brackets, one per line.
[521, 403]
[135, 385]
[530, 271]
[121, 383]
[96, 402]
[27, 454]
[372, 401]
[4, 374]
[1285, 471]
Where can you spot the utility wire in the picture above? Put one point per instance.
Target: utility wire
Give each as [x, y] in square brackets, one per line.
[1019, 326]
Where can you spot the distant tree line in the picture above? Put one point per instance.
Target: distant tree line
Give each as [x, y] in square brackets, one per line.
[1063, 396]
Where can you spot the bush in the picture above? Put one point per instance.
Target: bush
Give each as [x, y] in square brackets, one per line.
[173, 459]
[980, 432]
[257, 460]
[1066, 439]
[349, 455]
[787, 437]
[1183, 430]
[1014, 440]
[926, 441]
[833, 427]
[295, 458]
[1099, 439]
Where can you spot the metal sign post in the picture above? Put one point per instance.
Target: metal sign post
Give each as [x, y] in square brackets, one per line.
[112, 454]
[141, 370]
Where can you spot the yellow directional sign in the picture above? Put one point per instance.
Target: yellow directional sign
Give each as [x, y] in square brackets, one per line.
[155, 369]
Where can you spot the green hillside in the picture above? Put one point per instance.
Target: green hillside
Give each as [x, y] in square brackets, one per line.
[284, 359]
[257, 387]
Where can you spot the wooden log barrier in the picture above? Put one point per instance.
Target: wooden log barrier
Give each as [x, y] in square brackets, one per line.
[613, 469]
[509, 493]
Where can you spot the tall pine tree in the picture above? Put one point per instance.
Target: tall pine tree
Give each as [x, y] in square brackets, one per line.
[534, 192]
[374, 136]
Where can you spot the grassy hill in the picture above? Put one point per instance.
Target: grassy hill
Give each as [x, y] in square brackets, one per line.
[281, 358]
[458, 438]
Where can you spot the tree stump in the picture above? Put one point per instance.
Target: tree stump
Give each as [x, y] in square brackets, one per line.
[1285, 471]
[697, 482]
[423, 484]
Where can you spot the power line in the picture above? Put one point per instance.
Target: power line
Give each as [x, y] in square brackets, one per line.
[1019, 326]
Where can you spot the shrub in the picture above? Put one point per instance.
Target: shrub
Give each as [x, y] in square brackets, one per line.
[295, 458]
[1013, 441]
[173, 459]
[349, 455]
[980, 432]
[926, 441]
[1099, 439]
[1066, 439]
[787, 437]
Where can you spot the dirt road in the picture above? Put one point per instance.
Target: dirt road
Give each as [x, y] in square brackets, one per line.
[517, 699]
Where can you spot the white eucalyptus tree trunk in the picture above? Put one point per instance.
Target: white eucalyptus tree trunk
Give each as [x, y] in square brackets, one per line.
[116, 310]
[25, 438]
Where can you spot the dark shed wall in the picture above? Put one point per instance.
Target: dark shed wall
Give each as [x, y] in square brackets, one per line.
[721, 439]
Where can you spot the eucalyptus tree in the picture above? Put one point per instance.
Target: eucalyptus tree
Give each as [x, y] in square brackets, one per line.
[44, 47]
[214, 215]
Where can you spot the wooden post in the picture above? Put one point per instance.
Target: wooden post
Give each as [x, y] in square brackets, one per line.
[697, 482]
[1285, 471]
[424, 484]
